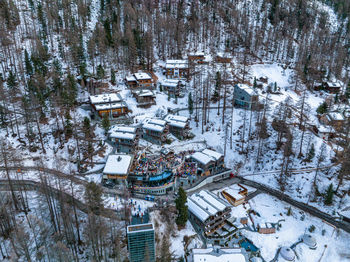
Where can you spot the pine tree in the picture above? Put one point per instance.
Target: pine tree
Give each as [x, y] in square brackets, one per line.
[108, 32]
[71, 90]
[28, 63]
[113, 81]
[323, 108]
[190, 103]
[87, 127]
[181, 208]
[93, 198]
[68, 125]
[329, 195]
[100, 72]
[11, 81]
[217, 86]
[106, 123]
[255, 85]
[311, 153]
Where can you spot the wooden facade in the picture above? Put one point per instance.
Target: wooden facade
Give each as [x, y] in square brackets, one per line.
[109, 104]
[155, 131]
[140, 80]
[176, 69]
[235, 196]
[196, 57]
[145, 98]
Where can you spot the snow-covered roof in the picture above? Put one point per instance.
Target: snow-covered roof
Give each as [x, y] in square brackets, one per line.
[142, 76]
[105, 98]
[247, 89]
[127, 129]
[218, 255]
[144, 92]
[334, 84]
[122, 135]
[224, 55]
[205, 204]
[325, 129]
[177, 121]
[118, 164]
[130, 78]
[153, 124]
[206, 156]
[212, 153]
[202, 158]
[196, 54]
[170, 82]
[336, 116]
[110, 106]
[176, 64]
[234, 192]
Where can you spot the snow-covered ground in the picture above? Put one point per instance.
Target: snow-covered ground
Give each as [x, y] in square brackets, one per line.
[331, 243]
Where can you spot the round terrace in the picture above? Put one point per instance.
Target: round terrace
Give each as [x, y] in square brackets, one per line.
[157, 174]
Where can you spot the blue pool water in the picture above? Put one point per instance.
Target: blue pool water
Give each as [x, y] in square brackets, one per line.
[248, 245]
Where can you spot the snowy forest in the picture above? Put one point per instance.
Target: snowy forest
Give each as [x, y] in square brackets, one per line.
[52, 51]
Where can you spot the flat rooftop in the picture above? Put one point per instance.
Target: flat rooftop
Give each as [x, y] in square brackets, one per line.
[139, 228]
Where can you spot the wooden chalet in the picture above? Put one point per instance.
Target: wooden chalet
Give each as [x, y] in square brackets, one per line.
[332, 87]
[334, 119]
[177, 69]
[141, 80]
[171, 86]
[118, 167]
[197, 57]
[266, 228]
[111, 104]
[179, 126]
[207, 212]
[209, 161]
[223, 58]
[144, 97]
[235, 194]
[125, 138]
[155, 130]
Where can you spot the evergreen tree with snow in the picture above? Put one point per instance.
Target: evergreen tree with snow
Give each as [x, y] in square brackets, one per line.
[311, 153]
[323, 108]
[113, 81]
[217, 87]
[11, 81]
[329, 195]
[106, 123]
[190, 103]
[28, 63]
[255, 84]
[182, 208]
[100, 72]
